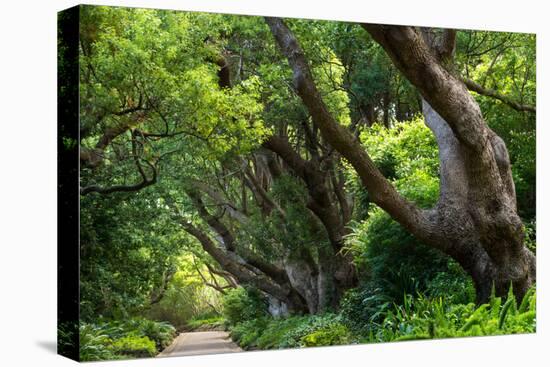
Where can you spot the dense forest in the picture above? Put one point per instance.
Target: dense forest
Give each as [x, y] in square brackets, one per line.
[300, 182]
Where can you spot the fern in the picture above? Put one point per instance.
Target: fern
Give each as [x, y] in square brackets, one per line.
[509, 303]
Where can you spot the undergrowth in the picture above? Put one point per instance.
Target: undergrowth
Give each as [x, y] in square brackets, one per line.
[418, 317]
[133, 338]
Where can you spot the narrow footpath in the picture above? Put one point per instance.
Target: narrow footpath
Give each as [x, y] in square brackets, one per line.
[200, 342]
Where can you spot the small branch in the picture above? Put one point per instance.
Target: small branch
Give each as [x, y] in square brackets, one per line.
[126, 188]
[229, 278]
[221, 200]
[157, 297]
[474, 87]
[214, 285]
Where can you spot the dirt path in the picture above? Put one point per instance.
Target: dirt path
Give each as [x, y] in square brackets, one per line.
[200, 342]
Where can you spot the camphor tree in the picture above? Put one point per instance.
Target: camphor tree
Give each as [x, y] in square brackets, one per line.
[475, 220]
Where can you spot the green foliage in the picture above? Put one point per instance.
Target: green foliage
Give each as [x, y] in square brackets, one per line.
[404, 149]
[324, 324]
[243, 304]
[187, 297]
[298, 235]
[66, 333]
[246, 333]
[94, 344]
[208, 321]
[453, 284]
[161, 63]
[134, 346]
[396, 263]
[276, 334]
[423, 318]
[411, 319]
[370, 76]
[530, 230]
[406, 154]
[161, 333]
[361, 308]
[522, 149]
[126, 247]
[133, 338]
[291, 332]
[334, 335]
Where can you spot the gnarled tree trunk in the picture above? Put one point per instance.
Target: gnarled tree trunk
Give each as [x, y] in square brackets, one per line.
[475, 220]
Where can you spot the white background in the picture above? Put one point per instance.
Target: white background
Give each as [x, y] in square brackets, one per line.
[28, 182]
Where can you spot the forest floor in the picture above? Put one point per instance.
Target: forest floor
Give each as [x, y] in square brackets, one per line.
[200, 342]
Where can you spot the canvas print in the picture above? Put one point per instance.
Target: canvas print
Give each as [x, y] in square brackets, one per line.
[232, 183]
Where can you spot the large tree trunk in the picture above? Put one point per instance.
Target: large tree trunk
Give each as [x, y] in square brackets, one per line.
[481, 228]
[475, 220]
[477, 209]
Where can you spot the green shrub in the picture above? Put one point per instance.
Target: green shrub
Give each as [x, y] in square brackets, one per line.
[247, 333]
[522, 150]
[363, 307]
[334, 335]
[530, 229]
[208, 321]
[94, 344]
[407, 147]
[131, 338]
[392, 261]
[134, 346]
[162, 333]
[241, 304]
[453, 284]
[275, 334]
[307, 325]
[291, 332]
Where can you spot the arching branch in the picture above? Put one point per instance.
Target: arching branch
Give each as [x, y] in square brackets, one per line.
[146, 181]
[479, 89]
[251, 261]
[283, 293]
[320, 201]
[381, 190]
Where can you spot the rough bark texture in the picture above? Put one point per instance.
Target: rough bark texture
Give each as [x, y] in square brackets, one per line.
[475, 220]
